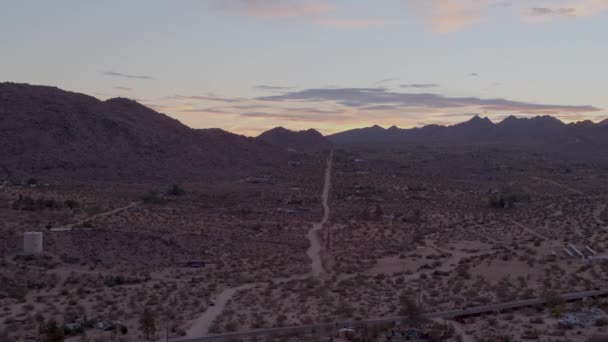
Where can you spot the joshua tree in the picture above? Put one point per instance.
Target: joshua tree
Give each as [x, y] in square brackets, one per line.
[410, 309]
[53, 332]
[147, 324]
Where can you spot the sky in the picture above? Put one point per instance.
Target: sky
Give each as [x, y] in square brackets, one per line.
[250, 65]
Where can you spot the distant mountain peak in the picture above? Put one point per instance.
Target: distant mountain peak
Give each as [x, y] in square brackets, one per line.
[510, 118]
[279, 129]
[546, 118]
[536, 133]
[478, 119]
[307, 140]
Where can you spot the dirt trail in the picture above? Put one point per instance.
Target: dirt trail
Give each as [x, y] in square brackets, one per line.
[70, 226]
[201, 325]
[559, 185]
[314, 251]
[529, 230]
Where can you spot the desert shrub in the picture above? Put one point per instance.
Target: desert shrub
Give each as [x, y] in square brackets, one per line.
[153, 198]
[72, 204]
[30, 204]
[530, 334]
[537, 320]
[505, 198]
[176, 190]
[601, 322]
[53, 332]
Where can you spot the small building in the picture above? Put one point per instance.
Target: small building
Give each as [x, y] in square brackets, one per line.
[32, 243]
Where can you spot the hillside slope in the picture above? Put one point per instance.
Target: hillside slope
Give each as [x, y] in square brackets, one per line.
[306, 141]
[51, 133]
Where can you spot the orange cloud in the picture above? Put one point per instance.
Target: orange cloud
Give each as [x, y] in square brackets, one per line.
[448, 15]
[451, 15]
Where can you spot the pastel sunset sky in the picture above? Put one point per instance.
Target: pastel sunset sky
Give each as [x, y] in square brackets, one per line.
[250, 65]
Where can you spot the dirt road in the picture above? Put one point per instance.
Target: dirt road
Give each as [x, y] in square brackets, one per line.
[201, 325]
[71, 226]
[314, 251]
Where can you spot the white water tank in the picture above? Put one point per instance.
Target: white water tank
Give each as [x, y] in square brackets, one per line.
[32, 243]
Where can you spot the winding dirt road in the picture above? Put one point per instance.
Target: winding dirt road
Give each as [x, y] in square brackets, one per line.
[314, 251]
[200, 326]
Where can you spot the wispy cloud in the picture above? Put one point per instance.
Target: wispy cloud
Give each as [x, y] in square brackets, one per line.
[272, 8]
[381, 107]
[302, 117]
[366, 97]
[354, 23]
[386, 80]
[271, 88]
[316, 12]
[129, 76]
[565, 9]
[208, 98]
[420, 85]
[123, 88]
[205, 110]
[544, 11]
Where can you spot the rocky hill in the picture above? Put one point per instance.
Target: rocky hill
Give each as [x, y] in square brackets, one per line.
[51, 133]
[305, 141]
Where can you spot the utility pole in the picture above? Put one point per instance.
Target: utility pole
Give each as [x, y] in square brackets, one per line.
[167, 328]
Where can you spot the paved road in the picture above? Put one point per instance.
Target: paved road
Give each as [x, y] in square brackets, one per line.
[377, 321]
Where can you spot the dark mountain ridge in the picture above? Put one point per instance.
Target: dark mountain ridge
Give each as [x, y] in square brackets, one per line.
[541, 133]
[50, 133]
[309, 140]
